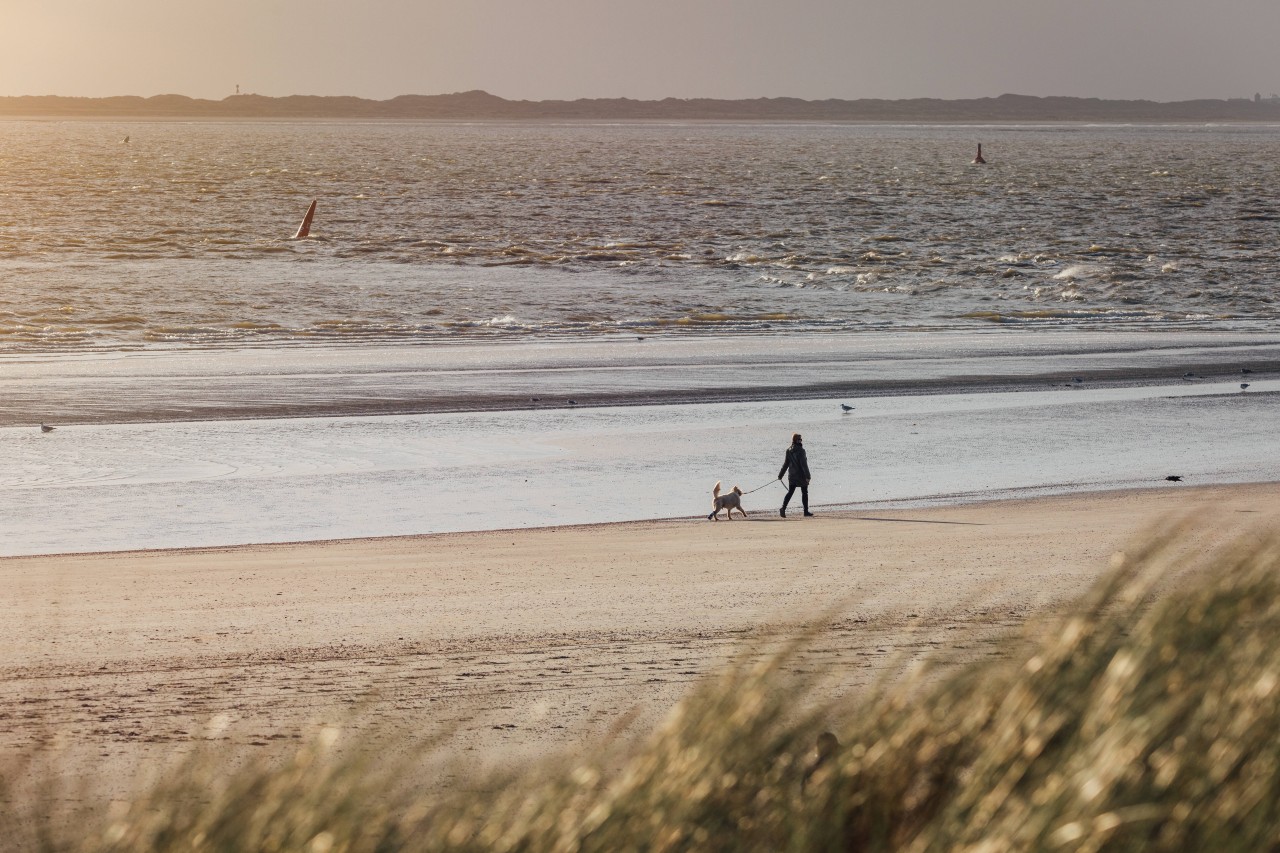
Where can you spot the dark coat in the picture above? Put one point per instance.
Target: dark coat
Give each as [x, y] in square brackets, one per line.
[798, 464]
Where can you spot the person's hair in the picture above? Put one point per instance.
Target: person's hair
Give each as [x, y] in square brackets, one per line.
[795, 439]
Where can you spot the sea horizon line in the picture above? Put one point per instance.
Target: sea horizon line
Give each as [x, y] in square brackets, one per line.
[479, 105]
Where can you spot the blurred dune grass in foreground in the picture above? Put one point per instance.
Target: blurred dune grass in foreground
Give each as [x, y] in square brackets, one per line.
[1145, 718]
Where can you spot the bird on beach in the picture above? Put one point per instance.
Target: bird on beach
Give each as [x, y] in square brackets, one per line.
[44, 428]
[1244, 385]
[846, 407]
[1174, 478]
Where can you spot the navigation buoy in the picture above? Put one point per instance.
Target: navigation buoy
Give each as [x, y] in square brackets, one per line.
[978, 159]
[305, 228]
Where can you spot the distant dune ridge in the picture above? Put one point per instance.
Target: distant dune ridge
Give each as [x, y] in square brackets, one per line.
[482, 105]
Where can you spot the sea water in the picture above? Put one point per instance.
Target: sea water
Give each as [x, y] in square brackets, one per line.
[490, 323]
[448, 231]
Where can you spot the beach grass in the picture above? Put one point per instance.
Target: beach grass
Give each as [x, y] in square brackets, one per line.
[1144, 718]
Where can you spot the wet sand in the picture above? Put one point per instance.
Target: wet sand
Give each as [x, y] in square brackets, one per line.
[524, 643]
[125, 487]
[179, 385]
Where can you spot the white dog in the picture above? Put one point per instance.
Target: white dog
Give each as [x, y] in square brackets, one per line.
[730, 501]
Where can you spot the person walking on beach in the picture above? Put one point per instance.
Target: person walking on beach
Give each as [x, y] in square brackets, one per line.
[798, 465]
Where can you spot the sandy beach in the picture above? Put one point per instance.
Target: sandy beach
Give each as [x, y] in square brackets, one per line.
[523, 643]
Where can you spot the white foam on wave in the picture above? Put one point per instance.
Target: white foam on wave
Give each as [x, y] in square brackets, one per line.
[1076, 272]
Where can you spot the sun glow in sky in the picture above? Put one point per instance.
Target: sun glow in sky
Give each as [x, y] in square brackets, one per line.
[549, 49]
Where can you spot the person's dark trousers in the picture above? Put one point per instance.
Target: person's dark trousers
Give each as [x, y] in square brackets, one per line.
[804, 496]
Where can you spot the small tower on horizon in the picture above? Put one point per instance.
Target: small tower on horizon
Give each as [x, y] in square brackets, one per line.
[237, 88]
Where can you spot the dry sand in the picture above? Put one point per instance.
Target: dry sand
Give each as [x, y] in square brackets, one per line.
[525, 642]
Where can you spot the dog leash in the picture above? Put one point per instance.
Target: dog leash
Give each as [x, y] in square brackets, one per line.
[758, 488]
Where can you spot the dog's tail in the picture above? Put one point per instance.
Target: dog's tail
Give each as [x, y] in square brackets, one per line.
[715, 493]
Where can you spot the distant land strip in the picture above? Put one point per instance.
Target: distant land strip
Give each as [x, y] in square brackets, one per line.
[478, 105]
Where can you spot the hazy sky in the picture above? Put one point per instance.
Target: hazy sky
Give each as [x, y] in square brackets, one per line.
[540, 49]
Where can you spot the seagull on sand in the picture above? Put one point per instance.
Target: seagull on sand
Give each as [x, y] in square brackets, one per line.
[846, 407]
[44, 428]
[1244, 385]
